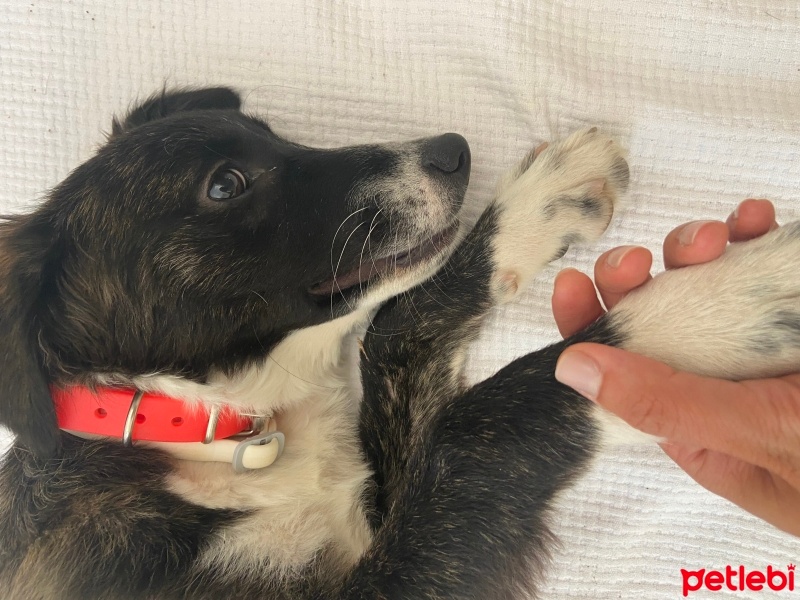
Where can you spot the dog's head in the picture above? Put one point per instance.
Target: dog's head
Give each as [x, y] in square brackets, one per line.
[197, 238]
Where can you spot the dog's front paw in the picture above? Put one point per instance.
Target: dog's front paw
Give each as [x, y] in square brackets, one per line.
[737, 317]
[563, 194]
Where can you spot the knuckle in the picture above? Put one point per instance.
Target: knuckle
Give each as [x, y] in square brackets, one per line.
[646, 412]
[780, 429]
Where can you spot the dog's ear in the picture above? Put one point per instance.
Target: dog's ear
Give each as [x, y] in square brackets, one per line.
[167, 103]
[26, 406]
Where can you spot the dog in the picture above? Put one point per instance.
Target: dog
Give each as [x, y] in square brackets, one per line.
[306, 314]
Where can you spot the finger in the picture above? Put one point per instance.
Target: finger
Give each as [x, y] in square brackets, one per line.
[575, 303]
[755, 421]
[621, 270]
[694, 243]
[751, 219]
[753, 488]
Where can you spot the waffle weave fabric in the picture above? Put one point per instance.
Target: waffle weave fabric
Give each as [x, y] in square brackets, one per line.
[705, 95]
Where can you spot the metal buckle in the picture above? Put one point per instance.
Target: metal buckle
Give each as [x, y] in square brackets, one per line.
[257, 424]
[256, 440]
[130, 419]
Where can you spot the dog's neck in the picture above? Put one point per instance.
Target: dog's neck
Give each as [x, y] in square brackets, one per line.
[308, 362]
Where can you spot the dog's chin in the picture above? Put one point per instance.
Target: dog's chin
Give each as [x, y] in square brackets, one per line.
[422, 258]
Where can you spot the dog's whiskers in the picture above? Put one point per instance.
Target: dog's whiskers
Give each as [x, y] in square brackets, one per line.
[333, 243]
[338, 264]
[338, 229]
[372, 226]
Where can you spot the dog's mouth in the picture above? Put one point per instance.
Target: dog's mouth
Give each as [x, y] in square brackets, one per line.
[401, 261]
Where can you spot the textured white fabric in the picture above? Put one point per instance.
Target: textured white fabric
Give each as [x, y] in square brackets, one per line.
[703, 93]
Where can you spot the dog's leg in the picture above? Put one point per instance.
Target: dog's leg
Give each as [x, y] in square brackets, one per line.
[467, 474]
[467, 516]
[737, 317]
[415, 349]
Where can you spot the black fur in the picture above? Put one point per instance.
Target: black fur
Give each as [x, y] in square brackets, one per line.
[30, 249]
[160, 106]
[130, 268]
[129, 536]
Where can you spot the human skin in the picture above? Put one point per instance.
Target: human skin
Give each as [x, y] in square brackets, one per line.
[740, 440]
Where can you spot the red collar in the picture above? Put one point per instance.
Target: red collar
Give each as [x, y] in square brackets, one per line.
[104, 411]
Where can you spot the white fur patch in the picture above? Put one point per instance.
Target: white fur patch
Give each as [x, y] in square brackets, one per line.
[408, 192]
[616, 432]
[566, 196]
[310, 499]
[737, 317]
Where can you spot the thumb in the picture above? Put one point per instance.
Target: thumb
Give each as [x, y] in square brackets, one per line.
[737, 418]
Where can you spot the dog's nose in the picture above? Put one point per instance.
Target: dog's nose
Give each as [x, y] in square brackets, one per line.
[448, 153]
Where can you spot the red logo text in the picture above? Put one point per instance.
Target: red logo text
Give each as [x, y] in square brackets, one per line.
[738, 580]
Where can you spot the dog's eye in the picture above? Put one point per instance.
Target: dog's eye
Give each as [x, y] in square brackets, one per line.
[227, 184]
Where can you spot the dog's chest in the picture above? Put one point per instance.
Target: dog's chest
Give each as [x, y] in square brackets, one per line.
[307, 501]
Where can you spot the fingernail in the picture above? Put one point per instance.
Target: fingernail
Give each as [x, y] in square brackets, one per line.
[580, 372]
[689, 232]
[564, 272]
[732, 218]
[615, 257]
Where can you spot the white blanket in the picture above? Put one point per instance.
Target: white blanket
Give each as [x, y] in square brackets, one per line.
[704, 94]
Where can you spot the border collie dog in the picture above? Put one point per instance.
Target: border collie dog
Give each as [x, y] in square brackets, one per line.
[233, 364]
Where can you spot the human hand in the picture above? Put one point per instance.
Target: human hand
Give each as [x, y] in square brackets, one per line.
[740, 440]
